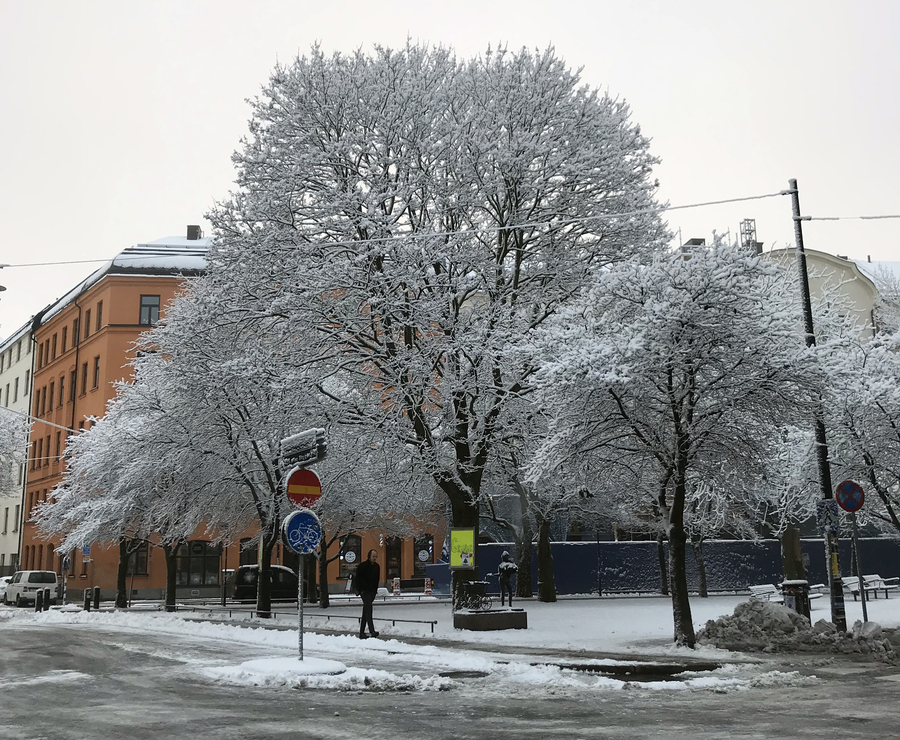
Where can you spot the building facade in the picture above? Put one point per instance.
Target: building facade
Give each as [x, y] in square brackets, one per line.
[15, 387]
[83, 344]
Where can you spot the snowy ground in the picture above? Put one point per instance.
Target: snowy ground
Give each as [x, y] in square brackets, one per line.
[408, 656]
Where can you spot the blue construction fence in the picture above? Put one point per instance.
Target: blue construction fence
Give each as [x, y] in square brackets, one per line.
[633, 567]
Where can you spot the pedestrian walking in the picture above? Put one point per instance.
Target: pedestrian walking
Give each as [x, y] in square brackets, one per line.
[366, 580]
[506, 571]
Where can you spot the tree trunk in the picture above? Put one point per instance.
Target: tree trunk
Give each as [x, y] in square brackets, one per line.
[324, 602]
[121, 576]
[169, 552]
[681, 606]
[264, 583]
[663, 566]
[546, 583]
[697, 547]
[523, 560]
[465, 516]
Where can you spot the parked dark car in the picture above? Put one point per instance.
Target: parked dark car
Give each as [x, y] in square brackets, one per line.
[283, 580]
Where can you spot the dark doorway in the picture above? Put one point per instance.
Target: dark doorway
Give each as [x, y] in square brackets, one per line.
[392, 549]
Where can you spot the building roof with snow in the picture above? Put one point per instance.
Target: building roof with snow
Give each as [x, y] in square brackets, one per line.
[171, 255]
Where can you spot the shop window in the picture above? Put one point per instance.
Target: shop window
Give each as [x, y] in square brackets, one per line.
[138, 560]
[351, 554]
[197, 564]
[249, 552]
[423, 554]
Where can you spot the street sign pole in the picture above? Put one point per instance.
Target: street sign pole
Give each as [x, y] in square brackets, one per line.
[301, 532]
[851, 497]
[300, 603]
[862, 585]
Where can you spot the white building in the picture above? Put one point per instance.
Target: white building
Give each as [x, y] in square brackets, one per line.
[15, 392]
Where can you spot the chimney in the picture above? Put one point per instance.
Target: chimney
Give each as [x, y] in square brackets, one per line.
[193, 233]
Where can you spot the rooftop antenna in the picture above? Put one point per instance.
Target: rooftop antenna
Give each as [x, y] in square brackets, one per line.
[748, 236]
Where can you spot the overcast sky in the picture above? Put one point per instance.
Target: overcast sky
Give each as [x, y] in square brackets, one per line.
[118, 119]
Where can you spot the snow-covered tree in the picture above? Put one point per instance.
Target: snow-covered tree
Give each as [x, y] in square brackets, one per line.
[14, 429]
[670, 371]
[422, 214]
[863, 419]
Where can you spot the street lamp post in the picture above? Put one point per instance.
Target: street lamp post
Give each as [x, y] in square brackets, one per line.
[832, 564]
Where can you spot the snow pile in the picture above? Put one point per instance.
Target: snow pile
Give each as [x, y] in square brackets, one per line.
[762, 625]
[311, 673]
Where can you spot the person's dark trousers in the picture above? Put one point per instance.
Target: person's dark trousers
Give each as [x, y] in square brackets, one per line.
[505, 588]
[368, 597]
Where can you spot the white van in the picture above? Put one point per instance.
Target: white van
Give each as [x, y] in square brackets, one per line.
[25, 584]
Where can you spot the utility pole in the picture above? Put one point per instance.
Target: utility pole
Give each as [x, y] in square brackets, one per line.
[832, 564]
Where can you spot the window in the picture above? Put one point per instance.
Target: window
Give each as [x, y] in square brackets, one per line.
[197, 564]
[138, 560]
[99, 315]
[27, 377]
[41, 356]
[96, 372]
[33, 454]
[62, 390]
[53, 348]
[47, 459]
[65, 336]
[5, 519]
[52, 393]
[40, 453]
[149, 310]
[351, 553]
[6, 402]
[249, 554]
[84, 379]
[43, 396]
[18, 350]
[16, 390]
[74, 332]
[16, 519]
[423, 554]
[74, 379]
[87, 323]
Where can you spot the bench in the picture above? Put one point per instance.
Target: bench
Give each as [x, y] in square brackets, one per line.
[872, 584]
[769, 592]
[766, 592]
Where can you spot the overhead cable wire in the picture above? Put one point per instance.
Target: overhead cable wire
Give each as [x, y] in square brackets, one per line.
[480, 230]
[35, 419]
[850, 218]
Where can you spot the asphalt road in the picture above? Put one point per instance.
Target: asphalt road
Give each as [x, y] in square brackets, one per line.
[65, 682]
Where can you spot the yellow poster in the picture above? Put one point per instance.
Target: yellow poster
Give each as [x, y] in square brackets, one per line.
[462, 549]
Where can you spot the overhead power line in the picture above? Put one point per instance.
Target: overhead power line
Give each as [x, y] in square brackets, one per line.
[849, 218]
[35, 419]
[483, 230]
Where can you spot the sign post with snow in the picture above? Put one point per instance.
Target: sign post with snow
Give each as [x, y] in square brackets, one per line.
[851, 497]
[302, 532]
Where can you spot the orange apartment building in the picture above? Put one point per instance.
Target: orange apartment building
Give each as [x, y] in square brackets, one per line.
[82, 345]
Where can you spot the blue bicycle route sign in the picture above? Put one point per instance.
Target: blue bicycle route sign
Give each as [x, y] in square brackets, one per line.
[301, 531]
[850, 496]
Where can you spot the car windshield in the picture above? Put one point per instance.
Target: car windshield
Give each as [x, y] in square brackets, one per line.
[43, 577]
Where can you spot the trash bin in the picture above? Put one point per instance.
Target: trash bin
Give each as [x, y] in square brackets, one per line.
[796, 596]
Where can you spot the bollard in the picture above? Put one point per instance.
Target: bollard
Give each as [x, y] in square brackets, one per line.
[96, 597]
[87, 599]
[46, 599]
[39, 600]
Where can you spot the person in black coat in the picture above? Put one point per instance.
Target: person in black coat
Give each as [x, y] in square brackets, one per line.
[366, 580]
[506, 571]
